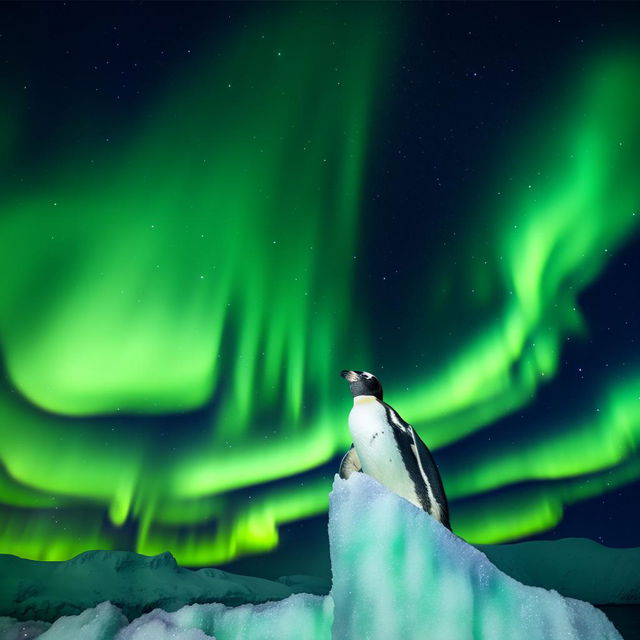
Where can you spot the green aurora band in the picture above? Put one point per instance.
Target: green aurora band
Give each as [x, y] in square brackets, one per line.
[186, 278]
[571, 206]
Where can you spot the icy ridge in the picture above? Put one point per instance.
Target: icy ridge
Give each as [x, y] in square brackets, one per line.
[135, 583]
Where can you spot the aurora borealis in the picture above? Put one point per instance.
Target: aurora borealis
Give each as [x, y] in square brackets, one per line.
[188, 265]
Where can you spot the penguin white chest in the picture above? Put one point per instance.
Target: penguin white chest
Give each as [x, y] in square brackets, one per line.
[377, 448]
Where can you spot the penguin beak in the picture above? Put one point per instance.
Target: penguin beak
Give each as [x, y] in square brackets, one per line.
[350, 376]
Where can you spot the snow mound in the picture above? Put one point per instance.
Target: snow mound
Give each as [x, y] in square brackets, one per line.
[299, 617]
[11, 629]
[101, 623]
[576, 567]
[133, 582]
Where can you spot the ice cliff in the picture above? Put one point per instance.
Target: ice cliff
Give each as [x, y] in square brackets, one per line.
[397, 574]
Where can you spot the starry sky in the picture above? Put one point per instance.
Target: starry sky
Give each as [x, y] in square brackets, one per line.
[209, 210]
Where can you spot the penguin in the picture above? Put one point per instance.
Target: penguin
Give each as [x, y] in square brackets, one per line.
[388, 449]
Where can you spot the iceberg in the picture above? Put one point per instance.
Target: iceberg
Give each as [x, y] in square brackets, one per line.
[397, 574]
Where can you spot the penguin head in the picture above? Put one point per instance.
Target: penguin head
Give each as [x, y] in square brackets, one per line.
[363, 383]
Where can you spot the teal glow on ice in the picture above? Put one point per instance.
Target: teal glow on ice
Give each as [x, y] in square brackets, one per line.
[397, 573]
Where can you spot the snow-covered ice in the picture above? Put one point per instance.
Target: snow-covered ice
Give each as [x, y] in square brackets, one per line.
[397, 574]
[299, 617]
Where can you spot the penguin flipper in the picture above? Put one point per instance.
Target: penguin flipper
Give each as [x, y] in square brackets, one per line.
[350, 463]
[431, 475]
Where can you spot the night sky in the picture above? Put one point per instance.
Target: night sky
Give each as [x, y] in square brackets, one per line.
[209, 210]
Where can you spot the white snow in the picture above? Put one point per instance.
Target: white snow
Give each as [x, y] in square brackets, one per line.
[397, 574]
[100, 623]
[299, 617]
[11, 629]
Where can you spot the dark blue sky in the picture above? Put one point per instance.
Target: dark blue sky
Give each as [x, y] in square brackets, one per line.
[464, 80]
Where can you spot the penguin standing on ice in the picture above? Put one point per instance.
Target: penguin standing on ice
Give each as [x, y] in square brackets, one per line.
[388, 449]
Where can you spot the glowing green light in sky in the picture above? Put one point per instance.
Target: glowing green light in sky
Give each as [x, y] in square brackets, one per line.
[252, 529]
[52, 535]
[568, 450]
[571, 206]
[207, 260]
[213, 228]
[525, 512]
[205, 273]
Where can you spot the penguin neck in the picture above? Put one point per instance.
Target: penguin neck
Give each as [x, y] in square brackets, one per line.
[360, 400]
